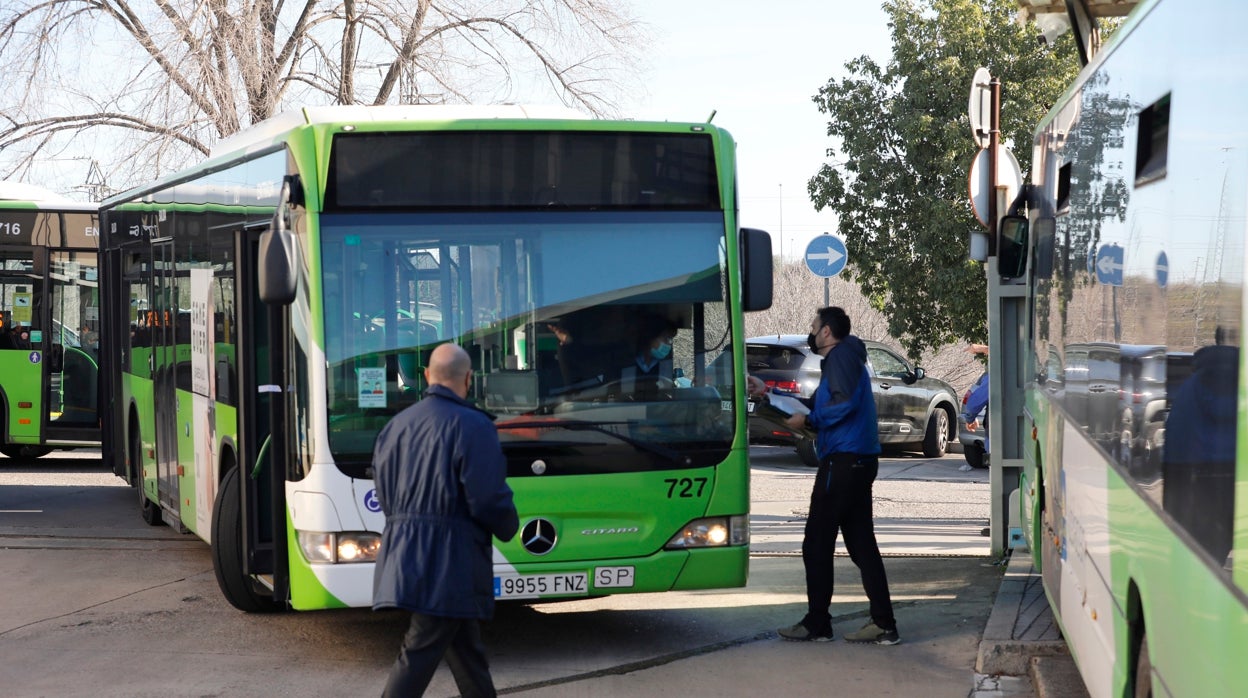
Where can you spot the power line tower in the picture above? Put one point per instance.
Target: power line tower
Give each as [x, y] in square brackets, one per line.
[1210, 289]
[96, 184]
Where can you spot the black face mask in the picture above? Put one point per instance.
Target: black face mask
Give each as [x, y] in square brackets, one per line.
[812, 342]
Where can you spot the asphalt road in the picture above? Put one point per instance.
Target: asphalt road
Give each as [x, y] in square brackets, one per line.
[96, 603]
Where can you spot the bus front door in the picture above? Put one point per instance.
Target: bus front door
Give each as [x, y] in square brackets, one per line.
[73, 348]
[164, 309]
[263, 506]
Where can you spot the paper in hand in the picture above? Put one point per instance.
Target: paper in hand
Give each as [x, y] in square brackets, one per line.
[789, 405]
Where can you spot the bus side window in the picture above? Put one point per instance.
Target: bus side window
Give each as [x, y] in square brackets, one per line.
[1198, 462]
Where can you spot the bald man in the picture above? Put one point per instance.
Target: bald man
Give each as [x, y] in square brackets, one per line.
[441, 480]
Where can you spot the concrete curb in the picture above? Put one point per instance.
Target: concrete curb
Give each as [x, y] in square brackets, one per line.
[1056, 677]
[1021, 626]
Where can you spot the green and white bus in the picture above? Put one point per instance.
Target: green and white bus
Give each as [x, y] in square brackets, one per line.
[1134, 493]
[282, 298]
[49, 322]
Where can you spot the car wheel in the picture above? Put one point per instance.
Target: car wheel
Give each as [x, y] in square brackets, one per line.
[936, 438]
[974, 454]
[806, 451]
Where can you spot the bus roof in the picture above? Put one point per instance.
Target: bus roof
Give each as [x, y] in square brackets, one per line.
[264, 132]
[43, 198]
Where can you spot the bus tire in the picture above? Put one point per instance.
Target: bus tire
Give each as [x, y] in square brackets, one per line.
[227, 550]
[149, 510]
[24, 451]
[936, 438]
[1143, 677]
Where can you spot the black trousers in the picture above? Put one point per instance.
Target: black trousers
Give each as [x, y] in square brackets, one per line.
[841, 501]
[428, 639]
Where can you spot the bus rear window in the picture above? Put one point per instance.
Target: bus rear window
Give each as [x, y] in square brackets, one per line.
[522, 169]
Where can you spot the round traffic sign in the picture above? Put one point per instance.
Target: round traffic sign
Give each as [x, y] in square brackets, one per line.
[980, 107]
[826, 256]
[1009, 175]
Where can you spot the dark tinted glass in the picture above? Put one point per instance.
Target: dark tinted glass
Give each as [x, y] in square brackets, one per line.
[773, 356]
[522, 169]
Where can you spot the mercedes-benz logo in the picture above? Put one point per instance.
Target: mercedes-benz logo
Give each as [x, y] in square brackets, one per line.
[539, 536]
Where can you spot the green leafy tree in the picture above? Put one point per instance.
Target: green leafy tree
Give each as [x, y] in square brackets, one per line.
[898, 180]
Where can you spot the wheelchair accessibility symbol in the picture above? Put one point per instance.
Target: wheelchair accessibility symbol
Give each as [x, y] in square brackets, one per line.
[371, 502]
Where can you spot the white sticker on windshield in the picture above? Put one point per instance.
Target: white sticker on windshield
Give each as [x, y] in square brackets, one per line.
[372, 382]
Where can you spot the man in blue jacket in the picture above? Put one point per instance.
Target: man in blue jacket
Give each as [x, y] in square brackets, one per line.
[842, 413]
[441, 480]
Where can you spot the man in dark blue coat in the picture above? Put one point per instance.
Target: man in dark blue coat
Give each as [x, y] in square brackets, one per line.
[842, 413]
[441, 481]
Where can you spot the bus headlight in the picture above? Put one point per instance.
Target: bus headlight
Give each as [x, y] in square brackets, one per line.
[711, 533]
[345, 547]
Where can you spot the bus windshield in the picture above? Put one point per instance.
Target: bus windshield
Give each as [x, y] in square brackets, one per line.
[571, 318]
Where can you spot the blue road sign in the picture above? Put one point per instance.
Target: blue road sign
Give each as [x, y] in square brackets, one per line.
[1109, 265]
[826, 256]
[1163, 269]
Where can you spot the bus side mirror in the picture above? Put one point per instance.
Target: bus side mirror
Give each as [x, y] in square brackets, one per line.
[1012, 247]
[756, 263]
[276, 260]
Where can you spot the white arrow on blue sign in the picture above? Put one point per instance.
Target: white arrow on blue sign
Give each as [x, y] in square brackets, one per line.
[1109, 265]
[826, 256]
[1163, 269]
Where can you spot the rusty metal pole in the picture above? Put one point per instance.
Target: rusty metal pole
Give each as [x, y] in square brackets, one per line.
[994, 143]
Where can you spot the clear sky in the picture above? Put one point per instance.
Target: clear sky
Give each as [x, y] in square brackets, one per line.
[758, 65]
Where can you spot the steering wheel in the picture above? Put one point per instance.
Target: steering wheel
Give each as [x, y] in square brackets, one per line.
[644, 388]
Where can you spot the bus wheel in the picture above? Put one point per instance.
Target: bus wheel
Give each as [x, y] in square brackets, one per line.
[24, 452]
[1143, 670]
[147, 508]
[239, 589]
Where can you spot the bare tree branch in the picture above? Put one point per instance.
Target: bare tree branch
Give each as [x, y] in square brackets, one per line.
[52, 125]
[204, 69]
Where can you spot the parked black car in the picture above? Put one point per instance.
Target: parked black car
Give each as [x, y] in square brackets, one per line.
[915, 412]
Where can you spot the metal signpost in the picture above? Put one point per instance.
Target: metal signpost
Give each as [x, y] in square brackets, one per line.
[994, 179]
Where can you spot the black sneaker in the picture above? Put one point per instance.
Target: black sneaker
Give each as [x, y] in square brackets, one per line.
[800, 633]
[874, 634]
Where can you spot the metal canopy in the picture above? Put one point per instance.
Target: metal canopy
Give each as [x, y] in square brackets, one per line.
[1055, 17]
[1095, 8]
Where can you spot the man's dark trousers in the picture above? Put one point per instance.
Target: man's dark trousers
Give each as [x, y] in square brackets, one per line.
[428, 639]
[841, 499]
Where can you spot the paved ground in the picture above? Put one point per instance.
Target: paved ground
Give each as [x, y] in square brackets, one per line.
[124, 609]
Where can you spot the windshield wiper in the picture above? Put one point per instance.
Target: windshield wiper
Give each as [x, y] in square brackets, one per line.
[600, 427]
